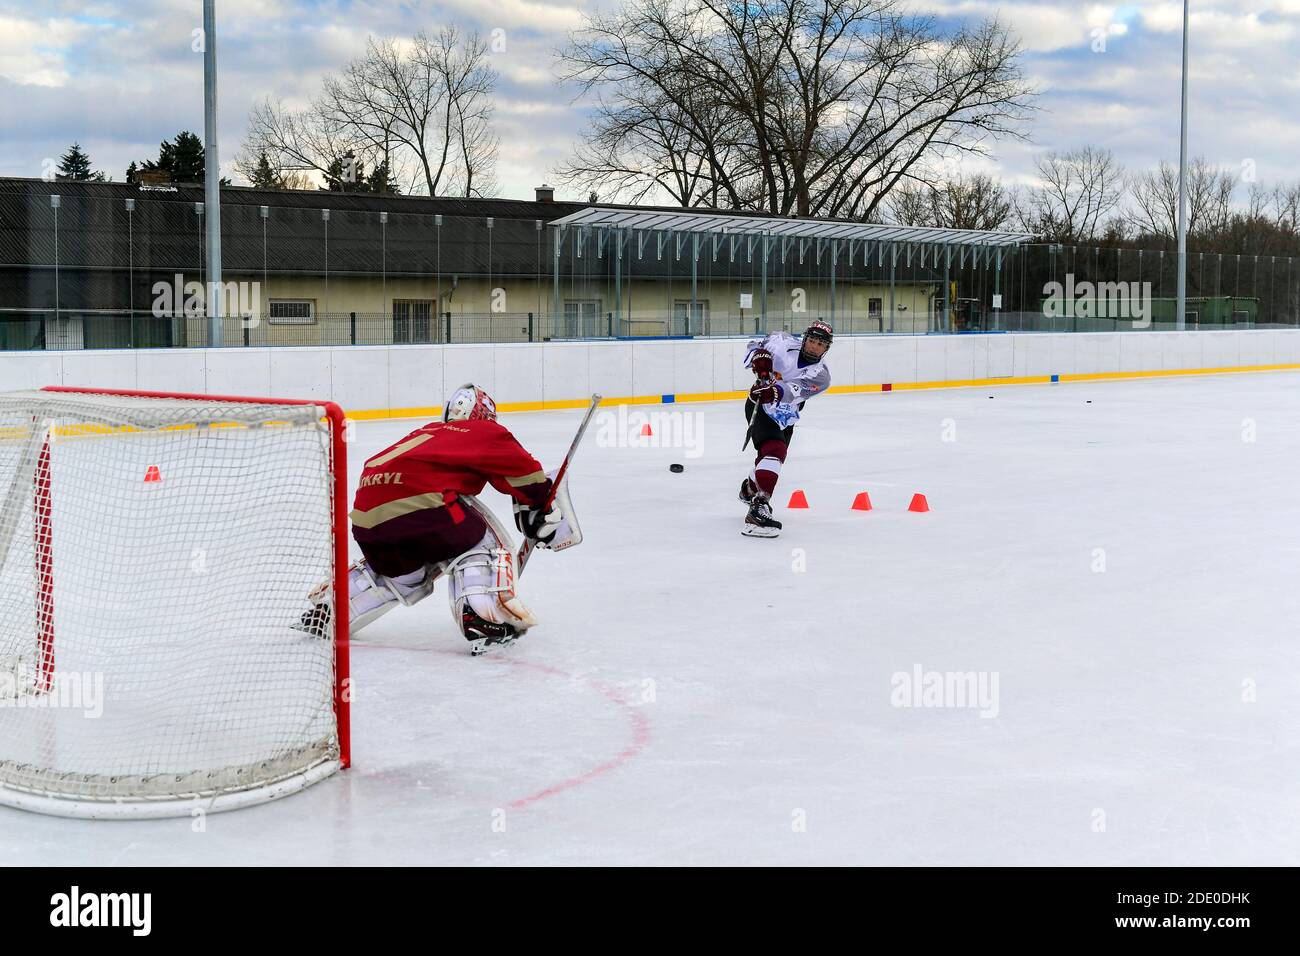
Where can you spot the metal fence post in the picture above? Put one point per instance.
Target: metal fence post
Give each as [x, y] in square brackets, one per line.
[448, 317]
[352, 328]
[530, 326]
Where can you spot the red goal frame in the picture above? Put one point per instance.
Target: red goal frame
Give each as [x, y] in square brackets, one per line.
[44, 538]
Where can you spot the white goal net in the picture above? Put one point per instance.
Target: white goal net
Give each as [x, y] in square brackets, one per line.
[155, 555]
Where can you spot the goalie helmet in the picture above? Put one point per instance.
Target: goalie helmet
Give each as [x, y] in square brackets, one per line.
[469, 403]
[819, 331]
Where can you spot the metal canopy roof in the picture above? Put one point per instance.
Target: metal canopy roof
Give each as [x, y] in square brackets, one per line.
[687, 221]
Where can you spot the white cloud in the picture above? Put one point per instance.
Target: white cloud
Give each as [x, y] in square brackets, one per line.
[119, 76]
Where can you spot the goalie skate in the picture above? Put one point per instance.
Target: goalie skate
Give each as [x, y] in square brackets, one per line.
[484, 634]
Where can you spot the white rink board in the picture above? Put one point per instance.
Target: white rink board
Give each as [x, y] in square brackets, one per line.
[689, 695]
[383, 378]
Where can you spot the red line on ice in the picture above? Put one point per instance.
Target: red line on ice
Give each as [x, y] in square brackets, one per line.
[640, 734]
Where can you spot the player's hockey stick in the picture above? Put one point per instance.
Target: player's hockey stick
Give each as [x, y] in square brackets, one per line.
[752, 416]
[527, 548]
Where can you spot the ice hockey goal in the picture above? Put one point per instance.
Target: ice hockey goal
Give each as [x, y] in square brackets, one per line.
[155, 552]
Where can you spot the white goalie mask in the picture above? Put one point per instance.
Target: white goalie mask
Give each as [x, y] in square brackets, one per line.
[469, 403]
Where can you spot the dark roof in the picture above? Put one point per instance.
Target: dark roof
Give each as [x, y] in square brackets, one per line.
[295, 198]
[164, 234]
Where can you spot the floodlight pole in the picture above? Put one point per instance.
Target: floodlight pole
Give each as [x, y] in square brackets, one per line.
[212, 172]
[1180, 320]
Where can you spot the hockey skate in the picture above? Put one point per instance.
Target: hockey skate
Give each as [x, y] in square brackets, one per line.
[759, 523]
[747, 490]
[483, 634]
[316, 621]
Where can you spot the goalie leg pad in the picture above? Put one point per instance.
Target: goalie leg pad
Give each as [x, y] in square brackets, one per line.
[371, 595]
[484, 579]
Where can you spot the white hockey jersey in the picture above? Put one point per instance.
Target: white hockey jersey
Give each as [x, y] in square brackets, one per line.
[797, 384]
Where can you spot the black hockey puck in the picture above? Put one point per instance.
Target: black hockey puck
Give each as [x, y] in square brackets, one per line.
[676, 468]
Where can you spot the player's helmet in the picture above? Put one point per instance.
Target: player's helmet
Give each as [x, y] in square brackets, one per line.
[469, 403]
[822, 332]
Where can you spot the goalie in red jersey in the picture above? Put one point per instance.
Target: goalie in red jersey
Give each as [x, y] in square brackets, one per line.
[416, 520]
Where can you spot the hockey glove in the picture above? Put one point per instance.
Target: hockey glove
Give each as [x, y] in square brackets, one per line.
[764, 393]
[761, 362]
[537, 525]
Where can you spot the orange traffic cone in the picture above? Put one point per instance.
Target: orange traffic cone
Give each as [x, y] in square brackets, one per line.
[152, 474]
[645, 430]
[919, 503]
[862, 502]
[798, 500]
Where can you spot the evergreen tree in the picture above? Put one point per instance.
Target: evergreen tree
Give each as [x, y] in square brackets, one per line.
[75, 166]
[265, 177]
[182, 159]
[379, 181]
[346, 174]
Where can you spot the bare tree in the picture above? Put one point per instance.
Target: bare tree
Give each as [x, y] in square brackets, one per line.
[422, 107]
[911, 204]
[1080, 188]
[806, 107]
[1284, 206]
[1258, 198]
[302, 141]
[963, 202]
[972, 202]
[1155, 198]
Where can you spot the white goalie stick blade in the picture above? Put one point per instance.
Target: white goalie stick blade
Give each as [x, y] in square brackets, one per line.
[569, 533]
[526, 549]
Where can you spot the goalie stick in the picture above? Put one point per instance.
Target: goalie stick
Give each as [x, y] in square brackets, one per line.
[527, 548]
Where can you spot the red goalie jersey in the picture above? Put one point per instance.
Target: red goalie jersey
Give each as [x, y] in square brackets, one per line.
[409, 490]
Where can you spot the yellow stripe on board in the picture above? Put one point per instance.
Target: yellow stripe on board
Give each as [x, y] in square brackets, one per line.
[432, 412]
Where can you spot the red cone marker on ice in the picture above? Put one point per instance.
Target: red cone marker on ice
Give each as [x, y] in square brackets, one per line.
[152, 474]
[918, 503]
[862, 502]
[645, 430]
[798, 500]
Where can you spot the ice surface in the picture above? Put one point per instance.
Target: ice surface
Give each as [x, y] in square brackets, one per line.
[691, 697]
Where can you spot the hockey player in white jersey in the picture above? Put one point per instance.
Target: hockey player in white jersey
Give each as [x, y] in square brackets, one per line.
[788, 371]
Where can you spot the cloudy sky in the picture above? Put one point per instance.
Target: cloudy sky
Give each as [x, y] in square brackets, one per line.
[120, 76]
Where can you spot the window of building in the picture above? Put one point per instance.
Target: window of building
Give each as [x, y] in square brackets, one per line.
[291, 312]
[580, 317]
[698, 316]
[412, 321]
